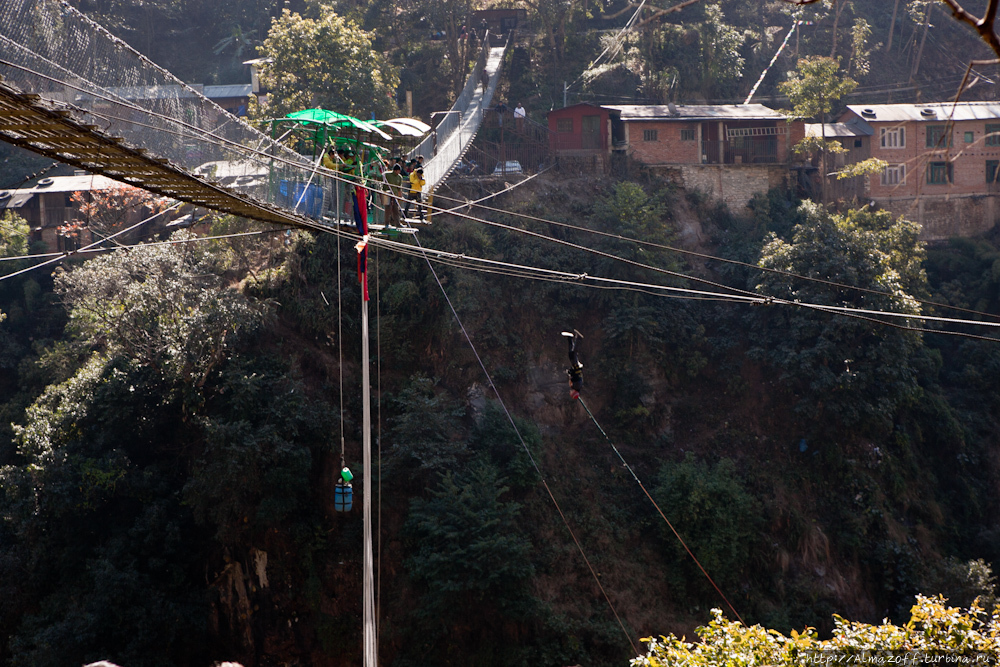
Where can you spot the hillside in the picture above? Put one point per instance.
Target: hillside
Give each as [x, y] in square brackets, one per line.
[172, 417]
[800, 498]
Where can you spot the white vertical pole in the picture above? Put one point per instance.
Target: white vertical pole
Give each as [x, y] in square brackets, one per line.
[370, 640]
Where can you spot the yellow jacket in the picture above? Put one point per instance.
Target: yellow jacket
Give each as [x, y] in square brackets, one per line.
[417, 182]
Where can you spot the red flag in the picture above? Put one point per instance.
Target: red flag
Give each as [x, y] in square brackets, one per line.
[360, 196]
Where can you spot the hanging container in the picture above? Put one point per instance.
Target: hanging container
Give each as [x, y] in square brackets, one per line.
[343, 497]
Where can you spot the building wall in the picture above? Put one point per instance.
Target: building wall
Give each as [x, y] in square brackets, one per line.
[968, 160]
[946, 217]
[733, 185]
[668, 147]
[573, 141]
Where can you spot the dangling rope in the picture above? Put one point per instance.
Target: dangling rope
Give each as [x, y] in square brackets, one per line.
[340, 336]
[641, 486]
[378, 443]
[527, 451]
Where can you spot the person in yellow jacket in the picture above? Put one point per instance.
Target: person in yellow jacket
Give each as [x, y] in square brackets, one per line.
[417, 184]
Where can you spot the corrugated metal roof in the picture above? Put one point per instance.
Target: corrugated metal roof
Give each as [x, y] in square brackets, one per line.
[83, 183]
[695, 112]
[234, 90]
[178, 92]
[928, 112]
[834, 130]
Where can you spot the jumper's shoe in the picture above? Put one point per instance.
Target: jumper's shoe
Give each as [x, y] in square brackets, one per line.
[568, 334]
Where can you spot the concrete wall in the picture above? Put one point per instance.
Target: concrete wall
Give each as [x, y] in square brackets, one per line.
[945, 217]
[733, 185]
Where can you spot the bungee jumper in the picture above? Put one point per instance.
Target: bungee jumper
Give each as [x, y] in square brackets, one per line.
[575, 370]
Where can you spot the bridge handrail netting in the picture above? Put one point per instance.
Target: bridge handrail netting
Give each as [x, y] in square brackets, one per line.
[445, 146]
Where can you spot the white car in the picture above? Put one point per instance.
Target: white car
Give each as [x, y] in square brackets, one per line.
[508, 167]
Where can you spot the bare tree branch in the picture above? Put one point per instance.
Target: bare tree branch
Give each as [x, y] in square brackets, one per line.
[983, 26]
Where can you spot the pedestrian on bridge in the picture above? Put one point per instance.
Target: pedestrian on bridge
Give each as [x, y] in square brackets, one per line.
[484, 79]
[519, 114]
[395, 181]
[417, 184]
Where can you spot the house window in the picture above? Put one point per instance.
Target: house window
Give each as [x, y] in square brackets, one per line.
[937, 136]
[991, 171]
[893, 138]
[650, 135]
[687, 135]
[970, 137]
[564, 125]
[857, 143]
[939, 173]
[992, 134]
[894, 174]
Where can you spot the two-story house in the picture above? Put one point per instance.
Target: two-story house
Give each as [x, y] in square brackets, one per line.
[943, 163]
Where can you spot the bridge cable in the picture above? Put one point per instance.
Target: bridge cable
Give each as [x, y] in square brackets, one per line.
[430, 207]
[87, 247]
[531, 458]
[315, 169]
[702, 255]
[665, 519]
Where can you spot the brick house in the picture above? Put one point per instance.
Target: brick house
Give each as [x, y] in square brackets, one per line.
[729, 151]
[704, 133]
[943, 160]
[49, 204]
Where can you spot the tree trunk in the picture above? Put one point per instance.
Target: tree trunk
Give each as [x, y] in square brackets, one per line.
[923, 38]
[892, 26]
[838, 9]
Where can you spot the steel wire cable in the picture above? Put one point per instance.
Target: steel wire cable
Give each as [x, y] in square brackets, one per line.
[657, 506]
[531, 457]
[701, 255]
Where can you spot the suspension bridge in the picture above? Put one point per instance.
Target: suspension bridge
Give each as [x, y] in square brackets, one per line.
[64, 93]
[64, 83]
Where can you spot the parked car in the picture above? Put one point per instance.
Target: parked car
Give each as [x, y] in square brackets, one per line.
[508, 167]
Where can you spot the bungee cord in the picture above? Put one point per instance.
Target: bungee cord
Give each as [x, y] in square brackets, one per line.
[531, 458]
[656, 505]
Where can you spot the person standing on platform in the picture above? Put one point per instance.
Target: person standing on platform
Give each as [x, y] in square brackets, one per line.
[519, 114]
[395, 180]
[417, 184]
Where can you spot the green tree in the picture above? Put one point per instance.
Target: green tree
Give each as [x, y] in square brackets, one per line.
[854, 369]
[813, 88]
[468, 549]
[716, 516]
[327, 62]
[934, 629]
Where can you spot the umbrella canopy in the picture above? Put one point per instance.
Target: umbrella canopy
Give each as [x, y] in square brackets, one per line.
[334, 119]
[401, 128]
[420, 126]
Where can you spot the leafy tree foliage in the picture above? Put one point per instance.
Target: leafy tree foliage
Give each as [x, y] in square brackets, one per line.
[424, 428]
[934, 629]
[328, 62]
[165, 448]
[718, 519]
[159, 307]
[855, 370]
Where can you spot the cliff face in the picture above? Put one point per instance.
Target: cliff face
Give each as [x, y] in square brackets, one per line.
[813, 464]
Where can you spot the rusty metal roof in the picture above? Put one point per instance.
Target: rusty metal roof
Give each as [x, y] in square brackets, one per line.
[660, 112]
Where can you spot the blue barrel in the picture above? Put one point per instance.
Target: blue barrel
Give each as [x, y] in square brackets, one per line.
[309, 199]
[343, 497]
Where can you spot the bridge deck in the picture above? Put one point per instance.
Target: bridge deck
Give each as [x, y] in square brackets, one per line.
[70, 90]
